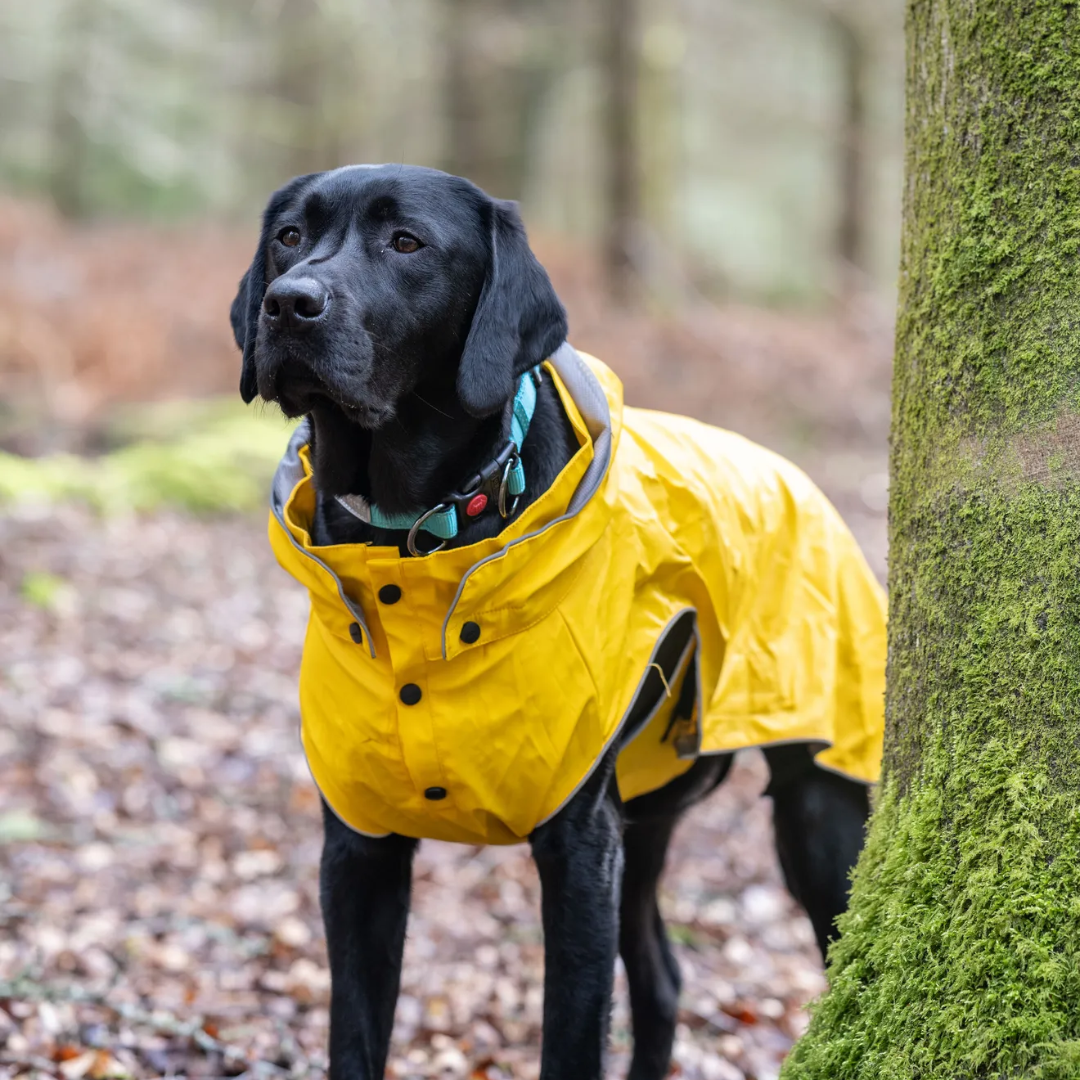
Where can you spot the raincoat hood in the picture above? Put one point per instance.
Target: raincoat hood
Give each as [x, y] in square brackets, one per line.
[677, 588]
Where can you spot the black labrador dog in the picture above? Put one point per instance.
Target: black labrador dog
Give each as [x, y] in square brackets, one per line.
[397, 307]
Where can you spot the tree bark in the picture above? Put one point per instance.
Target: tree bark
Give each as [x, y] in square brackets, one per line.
[960, 953]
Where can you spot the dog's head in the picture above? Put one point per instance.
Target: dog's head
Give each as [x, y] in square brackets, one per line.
[372, 282]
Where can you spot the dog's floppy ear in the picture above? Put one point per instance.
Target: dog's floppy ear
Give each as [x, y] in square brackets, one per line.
[244, 313]
[244, 316]
[518, 321]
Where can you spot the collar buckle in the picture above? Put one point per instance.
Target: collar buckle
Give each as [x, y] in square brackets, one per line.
[489, 482]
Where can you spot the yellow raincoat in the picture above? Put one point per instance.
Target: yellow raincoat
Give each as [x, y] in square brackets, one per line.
[677, 587]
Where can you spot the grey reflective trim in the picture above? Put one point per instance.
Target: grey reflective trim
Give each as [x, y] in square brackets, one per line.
[630, 707]
[290, 472]
[589, 397]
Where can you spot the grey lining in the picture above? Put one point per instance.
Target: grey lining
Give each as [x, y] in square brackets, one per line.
[680, 665]
[357, 505]
[588, 395]
[290, 472]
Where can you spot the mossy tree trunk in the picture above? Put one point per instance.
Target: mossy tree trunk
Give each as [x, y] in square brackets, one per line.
[960, 954]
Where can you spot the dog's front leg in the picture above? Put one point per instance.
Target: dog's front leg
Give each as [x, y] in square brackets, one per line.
[579, 856]
[364, 886]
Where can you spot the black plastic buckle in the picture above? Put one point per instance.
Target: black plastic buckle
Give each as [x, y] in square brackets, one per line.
[487, 482]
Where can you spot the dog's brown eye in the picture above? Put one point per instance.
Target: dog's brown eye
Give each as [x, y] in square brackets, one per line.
[289, 237]
[406, 244]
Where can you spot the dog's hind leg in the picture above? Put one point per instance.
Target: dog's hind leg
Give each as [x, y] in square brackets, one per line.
[651, 968]
[579, 856]
[364, 890]
[819, 819]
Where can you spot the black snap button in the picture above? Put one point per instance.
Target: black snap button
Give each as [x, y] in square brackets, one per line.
[356, 633]
[435, 793]
[470, 633]
[410, 693]
[390, 594]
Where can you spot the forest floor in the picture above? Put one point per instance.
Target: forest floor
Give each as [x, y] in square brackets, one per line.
[161, 839]
[159, 832]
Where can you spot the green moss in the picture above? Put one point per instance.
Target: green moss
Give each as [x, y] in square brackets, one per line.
[962, 959]
[989, 271]
[202, 456]
[960, 954]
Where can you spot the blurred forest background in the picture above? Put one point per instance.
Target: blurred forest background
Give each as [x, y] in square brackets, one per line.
[759, 151]
[715, 188]
[676, 155]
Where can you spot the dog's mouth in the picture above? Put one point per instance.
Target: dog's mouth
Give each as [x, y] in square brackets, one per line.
[367, 415]
[298, 393]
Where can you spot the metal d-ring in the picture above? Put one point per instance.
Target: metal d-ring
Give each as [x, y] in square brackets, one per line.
[504, 487]
[410, 540]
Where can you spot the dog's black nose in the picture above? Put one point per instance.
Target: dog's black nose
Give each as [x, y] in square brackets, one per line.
[295, 301]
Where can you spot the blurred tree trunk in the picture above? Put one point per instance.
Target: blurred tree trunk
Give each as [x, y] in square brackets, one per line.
[619, 32]
[960, 954]
[311, 85]
[854, 148]
[70, 143]
[502, 60]
[463, 153]
[661, 163]
[543, 63]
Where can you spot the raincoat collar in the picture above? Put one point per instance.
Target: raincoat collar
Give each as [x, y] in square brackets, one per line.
[481, 576]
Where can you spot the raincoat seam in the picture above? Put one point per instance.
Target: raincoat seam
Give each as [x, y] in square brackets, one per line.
[583, 658]
[356, 612]
[580, 650]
